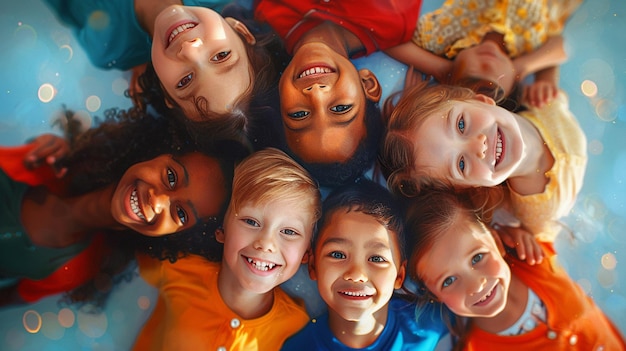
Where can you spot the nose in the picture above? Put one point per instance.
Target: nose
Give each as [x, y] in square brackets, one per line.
[355, 273]
[480, 287]
[479, 145]
[265, 242]
[191, 49]
[159, 201]
[315, 88]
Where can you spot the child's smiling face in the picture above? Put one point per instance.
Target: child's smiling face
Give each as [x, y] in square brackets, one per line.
[469, 143]
[265, 244]
[168, 194]
[357, 265]
[322, 102]
[197, 53]
[465, 270]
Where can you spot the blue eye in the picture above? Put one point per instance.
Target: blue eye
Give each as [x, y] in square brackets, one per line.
[289, 232]
[462, 164]
[461, 124]
[298, 114]
[477, 258]
[341, 108]
[182, 215]
[377, 259]
[448, 281]
[337, 255]
[251, 222]
[185, 81]
[171, 177]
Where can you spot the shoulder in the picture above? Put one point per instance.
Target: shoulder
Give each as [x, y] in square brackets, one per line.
[314, 336]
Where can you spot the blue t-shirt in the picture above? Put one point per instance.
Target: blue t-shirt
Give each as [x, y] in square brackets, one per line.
[109, 32]
[402, 332]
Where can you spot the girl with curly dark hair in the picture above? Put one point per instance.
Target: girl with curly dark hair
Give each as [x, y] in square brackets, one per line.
[133, 183]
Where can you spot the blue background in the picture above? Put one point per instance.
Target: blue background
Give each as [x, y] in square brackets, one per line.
[42, 67]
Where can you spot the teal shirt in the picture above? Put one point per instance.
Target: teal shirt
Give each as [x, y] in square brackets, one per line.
[109, 32]
[19, 258]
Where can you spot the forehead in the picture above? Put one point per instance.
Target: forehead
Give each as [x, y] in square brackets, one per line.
[357, 230]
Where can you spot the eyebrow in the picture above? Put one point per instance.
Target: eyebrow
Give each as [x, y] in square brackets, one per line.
[334, 241]
[186, 184]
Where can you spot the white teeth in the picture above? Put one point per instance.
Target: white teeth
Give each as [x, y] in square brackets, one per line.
[315, 70]
[262, 266]
[180, 29]
[134, 205]
[485, 298]
[351, 293]
[499, 147]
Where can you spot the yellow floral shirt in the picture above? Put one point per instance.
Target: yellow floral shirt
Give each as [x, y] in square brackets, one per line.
[459, 24]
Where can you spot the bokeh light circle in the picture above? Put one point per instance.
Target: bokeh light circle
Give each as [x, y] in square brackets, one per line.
[46, 92]
[143, 302]
[66, 317]
[609, 261]
[606, 278]
[93, 103]
[31, 320]
[589, 88]
[606, 110]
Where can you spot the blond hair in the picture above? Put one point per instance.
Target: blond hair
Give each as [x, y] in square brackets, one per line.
[270, 174]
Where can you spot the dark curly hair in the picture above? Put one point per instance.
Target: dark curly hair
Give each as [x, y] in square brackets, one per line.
[100, 156]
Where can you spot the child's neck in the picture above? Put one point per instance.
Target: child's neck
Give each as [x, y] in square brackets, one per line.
[529, 177]
[54, 221]
[146, 12]
[245, 303]
[361, 333]
[515, 306]
[336, 37]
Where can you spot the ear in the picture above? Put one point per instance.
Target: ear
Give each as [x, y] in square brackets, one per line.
[219, 235]
[241, 29]
[401, 276]
[372, 88]
[484, 98]
[311, 266]
[307, 256]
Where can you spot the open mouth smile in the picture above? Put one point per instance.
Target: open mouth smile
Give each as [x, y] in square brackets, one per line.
[487, 298]
[315, 70]
[134, 205]
[178, 30]
[262, 266]
[499, 148]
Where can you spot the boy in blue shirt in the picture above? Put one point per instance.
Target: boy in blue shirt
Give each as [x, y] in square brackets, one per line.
[358, 262]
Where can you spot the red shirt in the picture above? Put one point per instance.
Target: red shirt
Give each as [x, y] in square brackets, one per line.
[75, 272]
[379, 24]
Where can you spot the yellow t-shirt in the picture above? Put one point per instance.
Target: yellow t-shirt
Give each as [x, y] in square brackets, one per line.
[567, 143]
[191, 315]
[459, 24]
